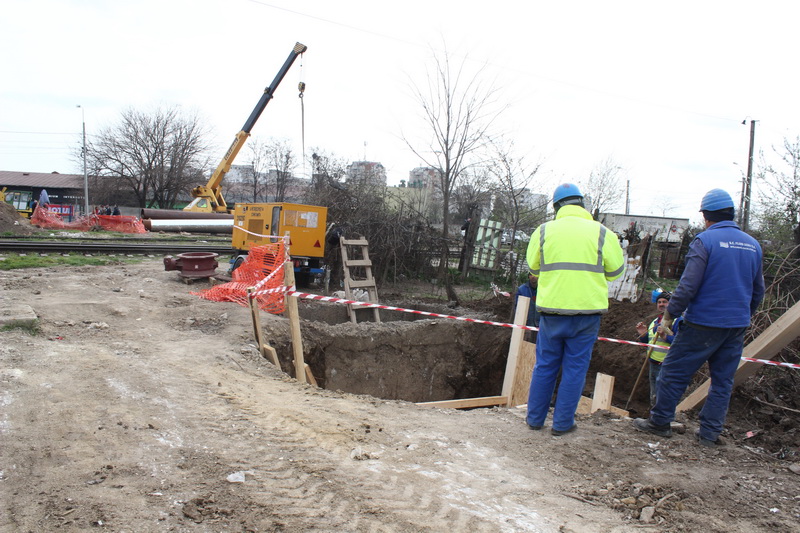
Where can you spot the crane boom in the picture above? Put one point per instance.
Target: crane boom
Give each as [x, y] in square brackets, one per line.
[208, 197]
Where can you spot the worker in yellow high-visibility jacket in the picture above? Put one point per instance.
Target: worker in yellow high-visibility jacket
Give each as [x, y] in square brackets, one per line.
[574, 257]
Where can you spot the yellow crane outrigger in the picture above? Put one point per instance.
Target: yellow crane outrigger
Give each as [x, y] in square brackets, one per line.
[208, 198]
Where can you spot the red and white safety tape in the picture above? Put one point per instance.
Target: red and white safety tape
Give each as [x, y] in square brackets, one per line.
[262, 292]
[284, 237]
[771, 363]
[496, 290]
[307, 296]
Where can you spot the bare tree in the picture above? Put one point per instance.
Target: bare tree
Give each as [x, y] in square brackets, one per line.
[603, 188]
[780, 210]
[327, 170]
[473, 195]
[281, 160]
[514, 177]
[664, 206]
[399, 237]
[157, 155]
[258, 169]
[516, 204]
[456, 109]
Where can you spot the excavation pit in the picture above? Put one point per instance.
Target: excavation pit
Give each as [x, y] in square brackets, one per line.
[406, 357]
[418, 358]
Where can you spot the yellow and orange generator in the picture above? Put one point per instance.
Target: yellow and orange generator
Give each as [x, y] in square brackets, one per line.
[258, 224]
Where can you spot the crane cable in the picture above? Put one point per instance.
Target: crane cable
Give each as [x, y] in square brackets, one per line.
[301, 86]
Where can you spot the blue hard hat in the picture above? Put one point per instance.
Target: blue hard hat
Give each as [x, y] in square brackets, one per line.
[716, 199]
[566, 190]
[657, 294]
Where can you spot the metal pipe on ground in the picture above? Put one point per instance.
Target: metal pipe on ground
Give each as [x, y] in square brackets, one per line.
[190, 225]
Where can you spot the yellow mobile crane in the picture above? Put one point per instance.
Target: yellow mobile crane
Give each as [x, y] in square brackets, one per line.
[208, 198]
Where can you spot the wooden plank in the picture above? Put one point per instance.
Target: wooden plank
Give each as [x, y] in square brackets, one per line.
[271, 354]
[585, 408]
[358, 263]
[486, 401]
[603, 389]
[355, 242]
[522, 379]
[362, 283]
[520, 317]
[771, 341]
[294, 321]
[267, 351]
[346, 278]
[310, 376]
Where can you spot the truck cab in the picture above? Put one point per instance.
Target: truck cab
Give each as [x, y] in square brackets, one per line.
[21, 200]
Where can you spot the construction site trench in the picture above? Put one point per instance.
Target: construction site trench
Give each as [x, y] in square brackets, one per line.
[404, 357]
[134, 405]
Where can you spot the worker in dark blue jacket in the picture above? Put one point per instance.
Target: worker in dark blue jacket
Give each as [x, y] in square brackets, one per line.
[721, 287]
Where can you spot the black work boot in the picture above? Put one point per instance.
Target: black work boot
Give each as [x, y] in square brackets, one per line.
[644, 424]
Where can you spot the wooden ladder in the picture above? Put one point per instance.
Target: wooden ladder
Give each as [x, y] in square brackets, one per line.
[358, 274]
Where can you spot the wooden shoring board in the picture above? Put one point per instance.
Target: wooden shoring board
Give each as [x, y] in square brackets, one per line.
[771, 341]
[517, 334]
[603, 389]
[267, 351]
[585, 408]
[522, 380]
[350, 283]
[293, 314]
[468, 403]
[310, 375]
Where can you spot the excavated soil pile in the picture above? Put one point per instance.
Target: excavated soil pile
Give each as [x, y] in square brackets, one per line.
[12, 222]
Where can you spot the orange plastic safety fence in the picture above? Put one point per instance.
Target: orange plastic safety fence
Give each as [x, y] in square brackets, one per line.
[121, 223]
[263, 267]
[124, 224]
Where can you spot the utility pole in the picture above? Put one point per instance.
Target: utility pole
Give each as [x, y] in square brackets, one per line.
[85, 174]
[628, 198]
[741, 200]
[749, 180]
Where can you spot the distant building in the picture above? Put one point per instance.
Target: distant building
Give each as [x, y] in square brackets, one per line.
[421, 194]
[238, 185]
[423, 178]
[238, 173]
[62, 189]
[534, 200]
[366, 172]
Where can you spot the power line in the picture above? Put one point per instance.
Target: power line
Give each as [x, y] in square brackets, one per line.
[40, 132]
[602, 92]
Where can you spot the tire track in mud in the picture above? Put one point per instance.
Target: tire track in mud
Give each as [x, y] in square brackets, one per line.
[292, 484]
[416, 497]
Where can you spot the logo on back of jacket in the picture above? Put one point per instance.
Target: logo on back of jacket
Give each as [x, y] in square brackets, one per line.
[737, 245]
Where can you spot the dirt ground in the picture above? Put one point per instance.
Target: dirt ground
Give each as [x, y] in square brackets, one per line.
[140, 407]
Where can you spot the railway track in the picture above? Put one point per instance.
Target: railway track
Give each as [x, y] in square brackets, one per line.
[32, 246]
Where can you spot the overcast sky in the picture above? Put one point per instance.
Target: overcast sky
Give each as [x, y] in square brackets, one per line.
[660, 88]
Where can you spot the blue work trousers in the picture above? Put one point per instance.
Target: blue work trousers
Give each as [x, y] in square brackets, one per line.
[655, 369]
[722, 348]
[565, 343]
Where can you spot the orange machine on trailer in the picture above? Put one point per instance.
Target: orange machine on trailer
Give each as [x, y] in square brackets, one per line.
[257, 224]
